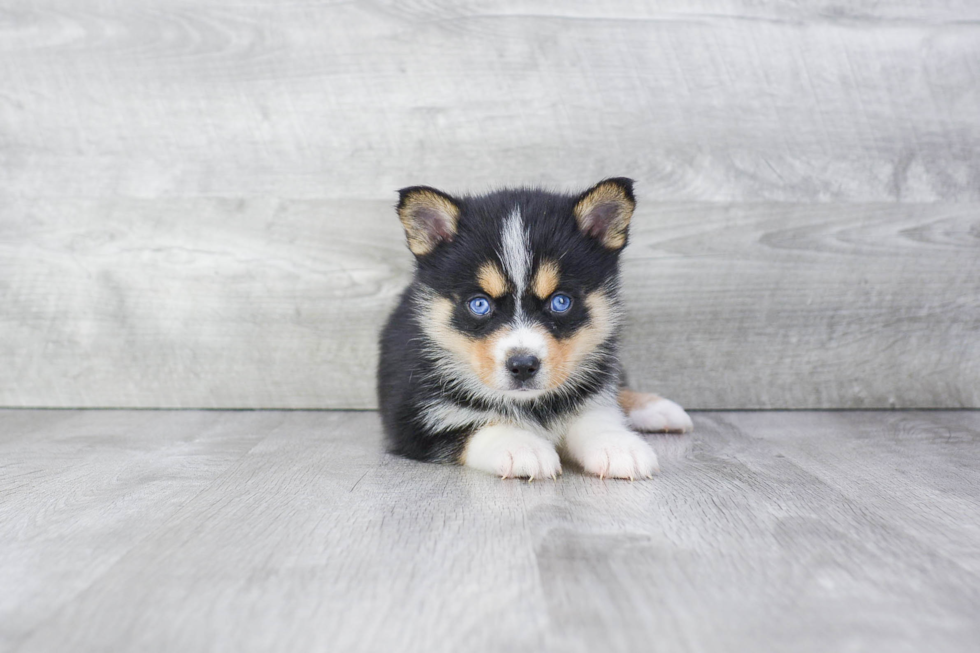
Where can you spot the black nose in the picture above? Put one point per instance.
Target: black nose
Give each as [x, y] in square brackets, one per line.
[523, 366]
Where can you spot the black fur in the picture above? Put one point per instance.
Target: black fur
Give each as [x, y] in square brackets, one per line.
[408, 378]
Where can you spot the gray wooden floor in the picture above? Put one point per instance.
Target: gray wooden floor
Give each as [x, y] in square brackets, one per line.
[292, 531]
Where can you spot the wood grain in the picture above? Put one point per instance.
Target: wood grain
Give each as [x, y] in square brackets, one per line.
[918, 490]
[195, 303]
[315, 516]
[765, 532]
[714, 100]
[741, 549]
[195, 197]
[276, 304]
[806, 306]
[79, 490]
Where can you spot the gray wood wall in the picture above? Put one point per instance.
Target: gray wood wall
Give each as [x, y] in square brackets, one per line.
[195, 197]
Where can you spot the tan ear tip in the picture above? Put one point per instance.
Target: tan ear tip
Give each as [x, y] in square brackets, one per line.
[411, 193]
[604, 211]
[625, 184]
[429, 217]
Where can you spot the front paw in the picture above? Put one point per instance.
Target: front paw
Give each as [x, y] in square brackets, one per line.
[660, 415]
[616, 454]
[512, 453]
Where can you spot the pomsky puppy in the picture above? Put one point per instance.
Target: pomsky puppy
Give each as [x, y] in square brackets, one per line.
[503, 350]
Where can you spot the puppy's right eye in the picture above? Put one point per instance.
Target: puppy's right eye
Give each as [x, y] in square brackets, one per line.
[479, 306]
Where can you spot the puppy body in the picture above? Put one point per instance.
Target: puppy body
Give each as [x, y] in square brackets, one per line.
[503, 349]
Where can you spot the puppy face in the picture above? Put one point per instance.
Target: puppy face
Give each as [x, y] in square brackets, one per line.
[517, 289]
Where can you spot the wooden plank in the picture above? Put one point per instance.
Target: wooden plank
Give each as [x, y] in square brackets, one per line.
[80, 492]
[215, 303]
[805, 306]
[714, 101]
[923, 477]
[276, 304]
[738, 548]
[857, 12]
[317, 541]
[23, 424]
[757, 536]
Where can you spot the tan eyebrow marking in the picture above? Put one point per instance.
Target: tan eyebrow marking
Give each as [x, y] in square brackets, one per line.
[491, 278]
[545, 279]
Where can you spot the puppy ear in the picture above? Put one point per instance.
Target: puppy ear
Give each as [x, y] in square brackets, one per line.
[604, 211]
[429, 216]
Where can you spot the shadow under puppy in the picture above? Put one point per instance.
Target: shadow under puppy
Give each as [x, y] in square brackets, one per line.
[503, 350]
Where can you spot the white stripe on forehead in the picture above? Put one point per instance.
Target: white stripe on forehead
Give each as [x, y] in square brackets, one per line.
[515, 251]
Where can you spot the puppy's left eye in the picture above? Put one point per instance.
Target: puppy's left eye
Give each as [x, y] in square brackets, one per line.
[560, 302]
[479, 306]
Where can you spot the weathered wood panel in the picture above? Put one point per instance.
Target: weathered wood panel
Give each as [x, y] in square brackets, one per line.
[270, 303]
[715, 100]
[765, 532]
[194, 196]
[807, 306]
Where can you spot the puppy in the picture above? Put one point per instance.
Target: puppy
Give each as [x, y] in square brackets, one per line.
[503, 350]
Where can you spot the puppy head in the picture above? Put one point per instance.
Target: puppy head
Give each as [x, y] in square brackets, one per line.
[518, 287]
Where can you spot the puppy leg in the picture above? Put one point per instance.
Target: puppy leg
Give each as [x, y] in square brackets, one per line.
[650, 413]
[600, 442]
[511, 452]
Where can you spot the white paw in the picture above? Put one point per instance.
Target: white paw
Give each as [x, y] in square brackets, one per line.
[510, 452]
[616, 454]
[660, 415]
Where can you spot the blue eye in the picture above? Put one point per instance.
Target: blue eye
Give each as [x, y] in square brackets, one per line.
[479, 306]
[560, 302]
